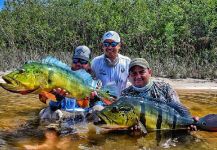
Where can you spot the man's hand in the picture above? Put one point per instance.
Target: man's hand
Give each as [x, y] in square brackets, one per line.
[138, 129]
[45, 97]
[93, 94]
[56, 94]
[94, 97]
[59, 91]
[193, 127]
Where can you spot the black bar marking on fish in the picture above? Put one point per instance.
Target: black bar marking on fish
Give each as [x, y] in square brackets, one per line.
[142, 115]
[159, 119]
[50, 74]
[174, 121]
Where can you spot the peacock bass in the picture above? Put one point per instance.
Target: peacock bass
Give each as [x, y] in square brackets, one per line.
[150, 114]
[50, 73]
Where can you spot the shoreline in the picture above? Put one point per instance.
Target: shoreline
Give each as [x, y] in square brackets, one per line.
[190, 83]
[177, 84]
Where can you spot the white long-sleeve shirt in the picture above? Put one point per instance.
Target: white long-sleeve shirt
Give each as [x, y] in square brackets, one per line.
[108, 74]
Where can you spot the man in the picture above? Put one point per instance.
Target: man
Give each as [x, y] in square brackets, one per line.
[80, 60]
[142, 84]
[111, 67]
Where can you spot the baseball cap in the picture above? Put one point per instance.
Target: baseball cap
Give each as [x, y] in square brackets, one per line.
[138, 62]
[82, 52]
[112, 35]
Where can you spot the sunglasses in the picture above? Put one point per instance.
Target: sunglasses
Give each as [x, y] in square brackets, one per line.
[113, 44]
[81, 61]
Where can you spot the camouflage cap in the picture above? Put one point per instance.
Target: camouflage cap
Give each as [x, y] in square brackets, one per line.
[82, 52]
[138, 62]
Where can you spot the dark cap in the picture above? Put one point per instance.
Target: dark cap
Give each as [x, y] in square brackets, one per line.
[82, 52]
[138, 62]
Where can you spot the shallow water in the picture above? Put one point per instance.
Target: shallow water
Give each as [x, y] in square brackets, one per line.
[19, 126]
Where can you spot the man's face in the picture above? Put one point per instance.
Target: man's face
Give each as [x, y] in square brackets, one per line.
[139, 76]
[111, 48]
[79, 64]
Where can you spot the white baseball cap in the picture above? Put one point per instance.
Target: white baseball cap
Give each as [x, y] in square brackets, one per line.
[112, 35]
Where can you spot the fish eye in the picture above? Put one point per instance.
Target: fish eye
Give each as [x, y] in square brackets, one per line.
[115, 109]
[125, 109]
[204, 123]
[21, 71]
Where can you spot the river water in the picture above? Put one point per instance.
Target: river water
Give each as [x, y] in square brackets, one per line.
[19, 126]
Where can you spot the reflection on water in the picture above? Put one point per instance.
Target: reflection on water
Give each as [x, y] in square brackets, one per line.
[19, 126]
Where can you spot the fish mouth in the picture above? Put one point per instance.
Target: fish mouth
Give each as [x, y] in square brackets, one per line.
[15, 86]
[99, 119]
[106, 123]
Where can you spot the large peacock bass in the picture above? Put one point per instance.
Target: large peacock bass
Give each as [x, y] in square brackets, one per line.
[150, 114]
[50, 73]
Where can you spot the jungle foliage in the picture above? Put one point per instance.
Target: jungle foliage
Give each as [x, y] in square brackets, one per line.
[177, 37]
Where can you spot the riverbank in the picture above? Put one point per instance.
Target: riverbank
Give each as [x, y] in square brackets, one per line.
[178, 84]
[191, 84]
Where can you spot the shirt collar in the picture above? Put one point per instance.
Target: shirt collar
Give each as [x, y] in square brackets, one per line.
[144, 88]
[109, 62]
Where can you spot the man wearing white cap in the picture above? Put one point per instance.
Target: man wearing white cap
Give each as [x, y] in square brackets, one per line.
[111, 67]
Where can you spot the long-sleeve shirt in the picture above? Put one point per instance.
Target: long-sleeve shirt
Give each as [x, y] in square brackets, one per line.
[116, 74]
[156, 89]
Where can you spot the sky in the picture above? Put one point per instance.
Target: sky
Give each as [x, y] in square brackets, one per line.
[1, 4]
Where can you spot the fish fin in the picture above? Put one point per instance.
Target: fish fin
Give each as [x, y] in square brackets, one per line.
[83, 103]
[54, 61]
[48, 95]
[111, 88]
[81, 73]
[85, 76]
[181, 109]
[106, 101]
[142, 127]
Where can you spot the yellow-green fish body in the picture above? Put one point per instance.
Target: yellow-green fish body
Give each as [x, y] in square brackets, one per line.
[152, 114]
[35, 77]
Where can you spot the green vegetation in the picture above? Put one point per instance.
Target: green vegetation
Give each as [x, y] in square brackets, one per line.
[177, 37]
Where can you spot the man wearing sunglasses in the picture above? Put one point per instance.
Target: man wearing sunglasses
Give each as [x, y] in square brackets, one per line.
[111, 67]
[80, 60]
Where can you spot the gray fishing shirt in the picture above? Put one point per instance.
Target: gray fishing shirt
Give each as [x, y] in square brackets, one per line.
[155, 89]
[111, 74]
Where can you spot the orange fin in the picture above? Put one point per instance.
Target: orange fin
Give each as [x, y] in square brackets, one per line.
[48, 95]
[107, 101]
[83, 103]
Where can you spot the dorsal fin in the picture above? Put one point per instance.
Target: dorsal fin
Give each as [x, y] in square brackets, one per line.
[111, 88]
[54, 61]
[85, 76]
[181, 109]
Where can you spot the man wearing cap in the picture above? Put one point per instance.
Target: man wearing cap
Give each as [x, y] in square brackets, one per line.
[143, 85]
[111, 67]
[80, 60]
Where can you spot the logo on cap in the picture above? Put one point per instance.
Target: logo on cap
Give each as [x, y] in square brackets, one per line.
[79, 51]
[109, 34]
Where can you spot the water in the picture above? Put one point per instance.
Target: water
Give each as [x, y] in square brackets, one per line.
[19, 126]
